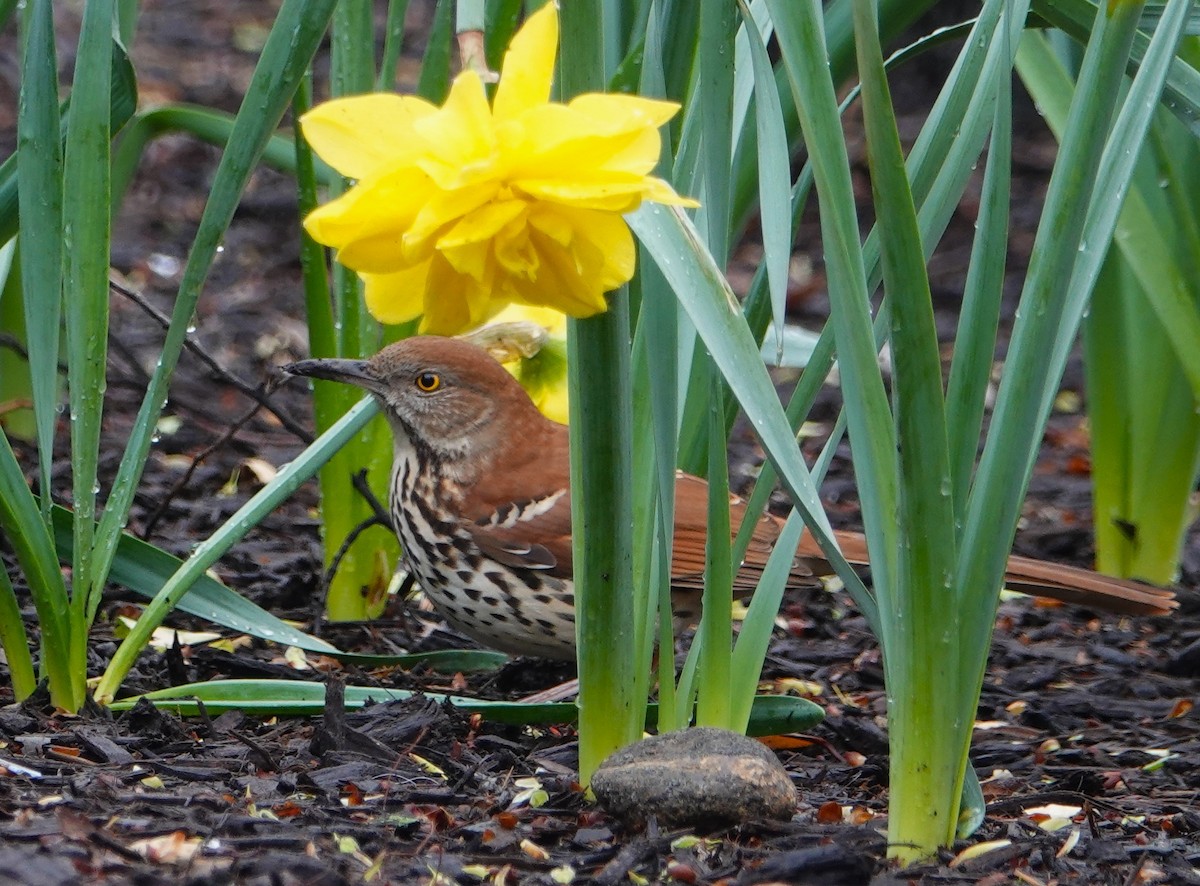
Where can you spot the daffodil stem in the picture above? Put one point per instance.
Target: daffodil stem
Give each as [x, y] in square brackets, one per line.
[601, 501]
[601, 470]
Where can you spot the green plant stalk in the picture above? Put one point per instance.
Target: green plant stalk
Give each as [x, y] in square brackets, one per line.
[341, 507]
[1142, 486]
[39, 188]
[16, 384]
[709, 115]
[654, 478]
[15, 642]
[713, 700]
[755, 636]
[318, 306]
[289, 478]
[655, 370]
[921, 641]
[393, 43]
[1157, 64]
[358, 589]
[352, 72]
[31, 542]
[601, 440]
[1144, 427]
[975, 342]
[85, 232]
[1008, 457]
[610, 716]
[1128, 368]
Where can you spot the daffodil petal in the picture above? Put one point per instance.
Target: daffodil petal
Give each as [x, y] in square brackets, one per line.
[616, 113]
[396, 298]
[464, 135]
[468, 245]
[658, 191]
[559, 282]
[612, 241]
[528, 69]
[599, 243]
[514, 252]
[335, 130]
[366, 224]
[454, 301]
[611, 196]
[554, 141]
[440, 211]
[484, 223]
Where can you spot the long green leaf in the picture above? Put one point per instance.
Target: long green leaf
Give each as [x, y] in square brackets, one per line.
[211, 550]
[39, 186]
[30, 540]
[921, 638]
[15, 642]
[85, 255]
[144, 569]
[702, 291]
[802, 43]
[775, 208]
[771, 714]
[1045, 324]
[975, 343]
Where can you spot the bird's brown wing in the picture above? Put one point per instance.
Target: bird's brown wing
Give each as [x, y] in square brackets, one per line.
[1069, 584]
[539, 541]
[521, 515]
[1073, 585]
[691, 533]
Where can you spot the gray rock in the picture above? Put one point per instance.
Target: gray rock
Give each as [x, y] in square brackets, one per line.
[701, 777]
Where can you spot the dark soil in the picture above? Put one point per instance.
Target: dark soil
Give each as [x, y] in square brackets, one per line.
[1091, 713]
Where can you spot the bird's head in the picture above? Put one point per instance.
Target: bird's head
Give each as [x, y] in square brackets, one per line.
[443, 394]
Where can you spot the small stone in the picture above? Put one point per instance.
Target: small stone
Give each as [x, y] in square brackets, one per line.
[701, 777]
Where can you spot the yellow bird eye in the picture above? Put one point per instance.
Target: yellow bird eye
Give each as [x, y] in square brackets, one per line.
[429, 382]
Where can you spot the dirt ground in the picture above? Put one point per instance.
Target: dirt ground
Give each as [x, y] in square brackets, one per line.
[1086, 721]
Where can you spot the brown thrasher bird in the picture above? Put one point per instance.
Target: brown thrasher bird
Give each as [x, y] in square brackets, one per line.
[481, 501]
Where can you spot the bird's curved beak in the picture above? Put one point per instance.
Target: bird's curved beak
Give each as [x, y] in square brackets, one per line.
[351, 372]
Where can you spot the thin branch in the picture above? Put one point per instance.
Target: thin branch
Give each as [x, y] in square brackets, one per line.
[257, 394]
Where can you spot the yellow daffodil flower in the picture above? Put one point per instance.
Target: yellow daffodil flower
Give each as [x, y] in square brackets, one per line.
[544, 374]
[531, 343]
[460, 210]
